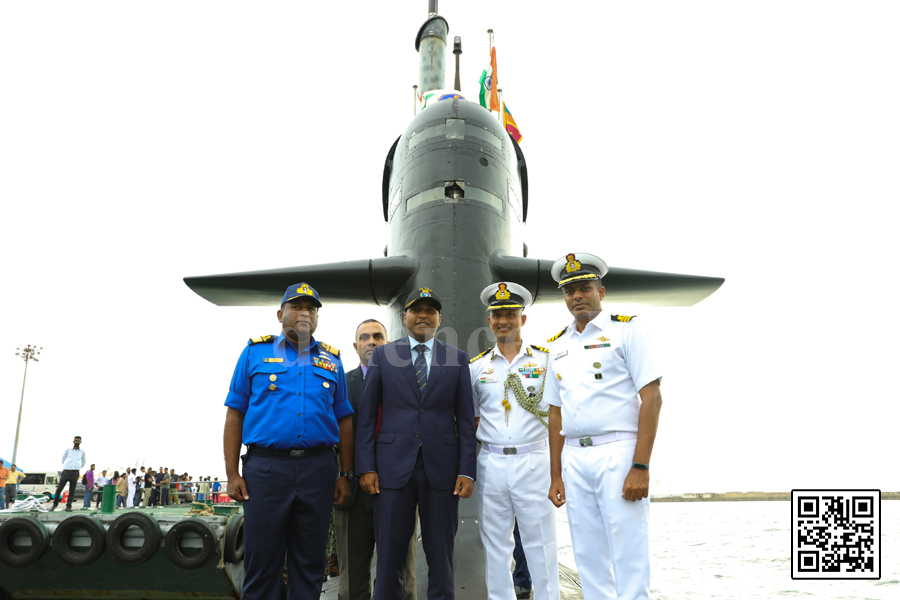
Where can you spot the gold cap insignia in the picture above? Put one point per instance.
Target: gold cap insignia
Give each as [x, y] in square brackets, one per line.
[572, 265]
[502, 293]
[304, 289]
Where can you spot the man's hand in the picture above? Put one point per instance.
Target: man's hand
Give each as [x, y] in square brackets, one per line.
[637, 485]
[464, 487]
[237, 488]
[557, 493]
[341, 491]
[369, 482]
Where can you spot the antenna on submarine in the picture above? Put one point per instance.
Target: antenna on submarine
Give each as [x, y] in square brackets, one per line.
[457, 50]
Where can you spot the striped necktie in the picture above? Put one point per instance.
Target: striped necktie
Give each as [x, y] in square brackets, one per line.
[420, 367]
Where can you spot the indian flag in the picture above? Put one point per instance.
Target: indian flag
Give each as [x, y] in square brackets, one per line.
[510, 125]
[487, 94]
[484, 87]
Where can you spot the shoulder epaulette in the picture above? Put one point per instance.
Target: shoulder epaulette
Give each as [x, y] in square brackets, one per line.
[261, 339]
[621, 319]
[541, 348]
[558, 334]
[471, 360]
[331, 349]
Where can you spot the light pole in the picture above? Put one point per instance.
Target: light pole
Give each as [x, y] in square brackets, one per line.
[27, 353]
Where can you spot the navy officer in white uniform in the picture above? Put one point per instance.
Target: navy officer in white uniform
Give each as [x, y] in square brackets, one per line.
[603, 391]
[514, 463]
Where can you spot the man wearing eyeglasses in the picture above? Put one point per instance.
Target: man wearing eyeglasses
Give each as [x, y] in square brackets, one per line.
[288, 404]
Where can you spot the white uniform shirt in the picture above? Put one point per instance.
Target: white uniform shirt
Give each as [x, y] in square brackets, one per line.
[488, 375]
[592, 406]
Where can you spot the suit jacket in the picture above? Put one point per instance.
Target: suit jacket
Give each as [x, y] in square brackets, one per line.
[441, 420]
[355, 382]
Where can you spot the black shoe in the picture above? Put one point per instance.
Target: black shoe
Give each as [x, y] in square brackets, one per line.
[522, 592]
[68, 509]
[55, 504]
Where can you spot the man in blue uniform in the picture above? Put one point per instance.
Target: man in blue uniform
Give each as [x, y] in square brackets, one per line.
[288, 404]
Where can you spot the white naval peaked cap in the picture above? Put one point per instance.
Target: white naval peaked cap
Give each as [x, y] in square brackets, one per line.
[504, 294]
[578, 267]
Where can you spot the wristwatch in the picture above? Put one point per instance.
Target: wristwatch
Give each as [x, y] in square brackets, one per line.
[348, 474]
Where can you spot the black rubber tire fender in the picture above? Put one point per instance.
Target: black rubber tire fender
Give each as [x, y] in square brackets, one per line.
[207, 536]
[234, 539]
[40, 541]
[123, 555]
[69, 555]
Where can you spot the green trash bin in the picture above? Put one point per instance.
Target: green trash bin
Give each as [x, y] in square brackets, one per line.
[109, 499]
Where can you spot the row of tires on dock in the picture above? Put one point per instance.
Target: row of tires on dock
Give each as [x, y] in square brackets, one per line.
[112, 540]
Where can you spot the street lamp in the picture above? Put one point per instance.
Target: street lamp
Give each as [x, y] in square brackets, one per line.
[27, 353]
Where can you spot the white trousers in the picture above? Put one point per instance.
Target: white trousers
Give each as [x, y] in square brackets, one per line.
[514, 486]
[607, 530]
[129, 501]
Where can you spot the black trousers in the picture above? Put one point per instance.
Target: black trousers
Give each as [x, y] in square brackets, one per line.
[69, 476]
[154, 497]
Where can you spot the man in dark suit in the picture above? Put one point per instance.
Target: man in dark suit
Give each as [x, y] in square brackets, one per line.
[354, 526]
[425, 450]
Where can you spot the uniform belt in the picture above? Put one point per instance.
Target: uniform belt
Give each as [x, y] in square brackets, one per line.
[515, 449]
[597, 440]
[286, 452]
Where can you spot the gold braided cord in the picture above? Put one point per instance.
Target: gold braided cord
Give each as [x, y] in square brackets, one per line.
[525, 401]
[505, 306]
[565, 281]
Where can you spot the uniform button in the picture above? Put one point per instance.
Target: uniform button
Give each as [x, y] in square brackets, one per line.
[417, 435]
[298, 436]
[299, 393]
[299, 414]
[421, 410]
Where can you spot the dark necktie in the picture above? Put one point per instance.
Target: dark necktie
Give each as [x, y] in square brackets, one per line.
[420, 367]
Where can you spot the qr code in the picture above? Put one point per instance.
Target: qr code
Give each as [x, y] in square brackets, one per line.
[836, 534]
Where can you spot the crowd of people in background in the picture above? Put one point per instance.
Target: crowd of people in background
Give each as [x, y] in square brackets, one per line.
[148, 487]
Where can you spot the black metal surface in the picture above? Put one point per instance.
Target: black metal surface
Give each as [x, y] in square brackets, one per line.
[436, 26]
[650, 288]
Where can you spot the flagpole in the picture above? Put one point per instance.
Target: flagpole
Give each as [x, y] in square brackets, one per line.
[415, 100]
[500, 98]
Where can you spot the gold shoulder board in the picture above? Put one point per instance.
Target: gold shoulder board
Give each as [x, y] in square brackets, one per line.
[331, 349]
[471, 360]
[261, 339]
[541, 348]
[620, 318]
[558, 334]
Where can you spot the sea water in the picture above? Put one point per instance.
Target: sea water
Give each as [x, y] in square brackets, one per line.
[741, 551]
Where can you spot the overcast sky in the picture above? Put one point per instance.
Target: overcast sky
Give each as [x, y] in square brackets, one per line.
[755, 141]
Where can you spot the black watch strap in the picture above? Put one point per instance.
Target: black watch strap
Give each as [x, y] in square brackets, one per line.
[348, 474]
[640, 466]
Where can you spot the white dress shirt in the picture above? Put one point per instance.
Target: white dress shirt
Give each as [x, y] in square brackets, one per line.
[619, 352]
[489, 373]
[429, 354]
[73, 459]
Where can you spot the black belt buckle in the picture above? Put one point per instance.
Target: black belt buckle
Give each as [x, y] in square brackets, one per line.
[508, 450]
[585, 442]
[298, 453]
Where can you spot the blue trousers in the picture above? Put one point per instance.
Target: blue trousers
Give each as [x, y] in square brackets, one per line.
[287, 514]
[521, 575]
[395, 521]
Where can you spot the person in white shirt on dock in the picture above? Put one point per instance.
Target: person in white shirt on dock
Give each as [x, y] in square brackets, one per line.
[73, 460]
[514, 462]
[603, 391]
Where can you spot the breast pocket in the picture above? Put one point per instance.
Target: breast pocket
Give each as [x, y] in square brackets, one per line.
[268, 379]
[325, 383]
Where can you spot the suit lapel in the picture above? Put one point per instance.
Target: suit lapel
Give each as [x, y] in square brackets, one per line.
[355, 387]
[437, 365]
[404, 352]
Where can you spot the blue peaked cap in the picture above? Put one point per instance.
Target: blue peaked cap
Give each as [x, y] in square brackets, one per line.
[301, 290]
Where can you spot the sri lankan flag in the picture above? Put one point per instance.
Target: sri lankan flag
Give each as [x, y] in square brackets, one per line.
[510, 124]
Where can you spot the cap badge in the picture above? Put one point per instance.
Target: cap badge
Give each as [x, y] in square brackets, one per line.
[572, 265]
[502, 293]
[304, 289]
[425, 293]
